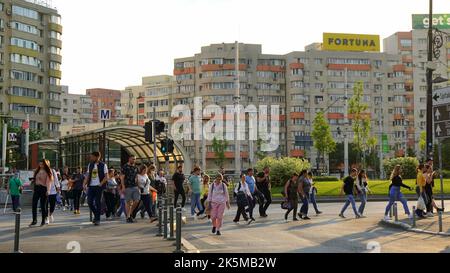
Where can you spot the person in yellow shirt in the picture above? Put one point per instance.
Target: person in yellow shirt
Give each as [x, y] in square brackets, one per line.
[420, 188]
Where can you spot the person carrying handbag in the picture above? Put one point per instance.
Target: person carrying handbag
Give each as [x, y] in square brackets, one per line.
[243, 195]
[291, 191]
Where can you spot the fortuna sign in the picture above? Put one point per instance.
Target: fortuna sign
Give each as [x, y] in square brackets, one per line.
[351, 42]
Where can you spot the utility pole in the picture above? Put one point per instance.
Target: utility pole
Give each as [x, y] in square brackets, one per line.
[4, 144]
[380, 121]
[155, 153]
[237, 97]
[346, 165]
[430, 86]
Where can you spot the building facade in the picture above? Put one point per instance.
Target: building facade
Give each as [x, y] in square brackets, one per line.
[105, 99]
[76, 109]
[30, 64]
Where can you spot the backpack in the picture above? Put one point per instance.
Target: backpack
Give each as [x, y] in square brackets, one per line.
[212, 187]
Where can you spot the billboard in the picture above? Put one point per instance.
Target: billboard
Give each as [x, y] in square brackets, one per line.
[351, 42]
[440, 21]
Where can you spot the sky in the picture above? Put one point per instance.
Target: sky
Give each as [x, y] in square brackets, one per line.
[113, 44]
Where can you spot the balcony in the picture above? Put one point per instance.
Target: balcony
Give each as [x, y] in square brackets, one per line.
[352, 67]
[55, 27]
[218, 67]
[297, 115]
[24, 51]
[24, 100]
[270, 68]
[296, 66]
[54, 119]
[54, 104]
[297, 153]
[55, 73]
[182, 71]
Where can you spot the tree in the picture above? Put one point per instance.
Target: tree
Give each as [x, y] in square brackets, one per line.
[260, 154]
[282, 169]
[361, 122]
[410, 152]
[322, 137]
[409, 166]
[219, 147]
[423, 144]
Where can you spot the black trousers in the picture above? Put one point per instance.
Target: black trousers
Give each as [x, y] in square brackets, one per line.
[146, 202]
[429, 194]
[52, 203]
[76, 199]
[241, 211]
[183, 198]
[252, 205]
[110, 200]
[264, 201]
[294, 207]
[202, 201]
[39, 195]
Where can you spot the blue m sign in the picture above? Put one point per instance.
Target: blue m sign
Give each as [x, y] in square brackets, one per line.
[105, 114]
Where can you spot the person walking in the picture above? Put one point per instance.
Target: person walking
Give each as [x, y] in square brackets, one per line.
[218, 199]
[313, 193]
[55, 189]
[264, 186]
[178, 180]
[428, 189]
[110, 195]
[42, 181]
[15, 188]
[251, 182]
[395, 193]
[195, 186]
[304, 189]
[243, 199]
[291, 192]
[348, 187]
[65, 191]
[362, 186]
[77, 189]
[94, 183]
[420, 190]
[145, 189]
[128, 179]
[123, 204]
[204, 195]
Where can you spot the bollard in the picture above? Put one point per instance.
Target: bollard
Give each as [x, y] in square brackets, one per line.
[171, 228]
[159, 220]
[395, 212]
[178, 233]
[17, 232]
[165, 223]
[414, 217]
[440, 221]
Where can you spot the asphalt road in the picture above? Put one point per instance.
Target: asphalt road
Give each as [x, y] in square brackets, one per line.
[326, 233]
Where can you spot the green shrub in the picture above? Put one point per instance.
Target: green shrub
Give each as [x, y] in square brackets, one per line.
[409, 166]
[445, 173]
[281, 170]
[325, 179]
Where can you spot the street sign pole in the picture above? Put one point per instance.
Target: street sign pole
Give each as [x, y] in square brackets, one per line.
[5, 132]
[440, 172]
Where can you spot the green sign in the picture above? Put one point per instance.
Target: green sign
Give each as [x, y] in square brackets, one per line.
[440, 21]
[386, 148]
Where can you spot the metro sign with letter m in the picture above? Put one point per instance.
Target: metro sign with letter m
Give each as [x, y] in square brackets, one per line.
[105, 114]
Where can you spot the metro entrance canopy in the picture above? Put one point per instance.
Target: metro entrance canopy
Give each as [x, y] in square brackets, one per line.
[121, 141]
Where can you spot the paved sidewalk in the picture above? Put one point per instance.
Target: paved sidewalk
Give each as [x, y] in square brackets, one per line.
[428, 225]
[69, 231]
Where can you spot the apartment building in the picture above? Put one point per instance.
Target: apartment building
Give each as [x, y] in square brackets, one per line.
[76, 109]
[30, 61]
[154, 94]
[105, 99]
[412, 46]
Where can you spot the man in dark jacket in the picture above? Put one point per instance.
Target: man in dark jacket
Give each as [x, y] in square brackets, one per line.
[178, 180]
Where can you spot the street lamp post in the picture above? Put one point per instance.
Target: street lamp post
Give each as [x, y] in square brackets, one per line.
[430, 85]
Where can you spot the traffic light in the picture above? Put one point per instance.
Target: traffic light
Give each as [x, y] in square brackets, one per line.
[148, 132]
[159, 127]
[164, 146]
[170, 146]
[20, 142]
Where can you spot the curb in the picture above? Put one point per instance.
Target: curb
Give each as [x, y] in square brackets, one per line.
[188, 247]
[410, 228]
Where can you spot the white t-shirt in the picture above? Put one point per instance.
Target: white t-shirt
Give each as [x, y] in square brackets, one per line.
[144, 183]
[95, 179]
[55, 183]
[65, 185]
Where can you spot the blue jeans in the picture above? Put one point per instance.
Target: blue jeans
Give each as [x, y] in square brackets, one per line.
[195, 203]
[94, 201]
[350, 200]
[312, 198]
[15, 199]
[396, 195]
[305, 206]
[122, 208]
[363, 197]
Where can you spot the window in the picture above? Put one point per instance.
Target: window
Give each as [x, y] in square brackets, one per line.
[25, 28]
[55, 66]
[23, 76]
[406, 43]
[300, 98]
[55, 35]
[54, 96]
[20, 108]
[55, 19]
[318, 73]
[54, 81]
[24, 92]
[318, 61]
[22, 59]
[348, 61]
[25, 44]
[53, 127]
[297, 72]
[55, 111]
[16, 10]
[55, 50]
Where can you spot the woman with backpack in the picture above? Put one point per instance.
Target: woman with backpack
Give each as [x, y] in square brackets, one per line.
[291, 191]
[313, 193]
[243, 198]
[218, 199]
[42, 181]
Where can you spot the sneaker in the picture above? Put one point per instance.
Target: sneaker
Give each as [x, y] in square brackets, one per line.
[295, 220]
[342, 216]
[387, 218]
[250, 221]
[358, 216]
[47, 221]
[52, 219]
[194, 217]
[235, 221]
[96, 223]
[306, 218]
[318, 212]
[64, 209]
[33, 224]
[213, 230]
[430, 214]
[362, 216]
[43, 224]
[300, 215]
[286, 216]
[218, 233]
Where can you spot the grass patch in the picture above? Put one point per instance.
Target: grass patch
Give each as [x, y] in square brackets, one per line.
[377, 187]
